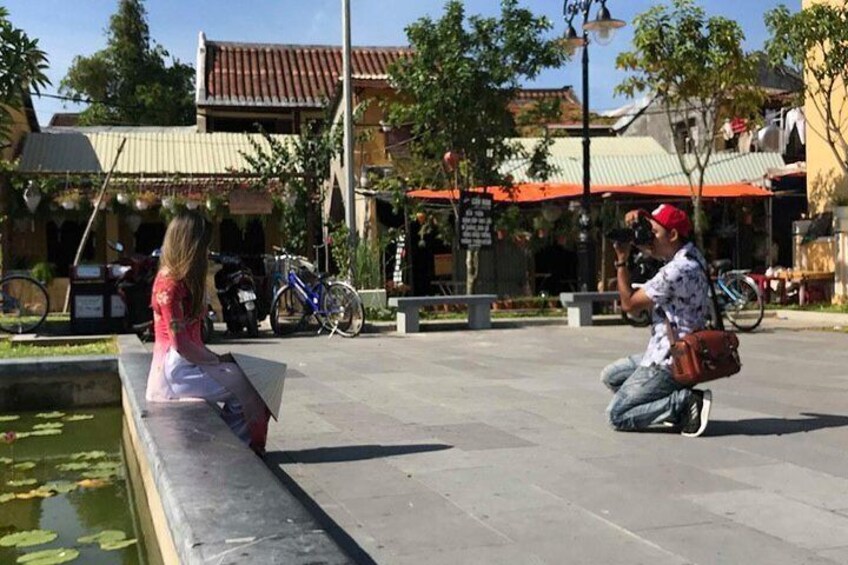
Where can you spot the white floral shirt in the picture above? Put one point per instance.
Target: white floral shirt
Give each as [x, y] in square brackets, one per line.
[680, 289]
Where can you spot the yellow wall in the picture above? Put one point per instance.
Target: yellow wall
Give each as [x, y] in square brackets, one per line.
[825, 177]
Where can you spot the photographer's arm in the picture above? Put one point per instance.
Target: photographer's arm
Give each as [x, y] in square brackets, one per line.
[631, 301]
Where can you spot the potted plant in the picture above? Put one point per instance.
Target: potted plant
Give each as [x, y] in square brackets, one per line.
[69, 200]
[145, 200]
[43, 272]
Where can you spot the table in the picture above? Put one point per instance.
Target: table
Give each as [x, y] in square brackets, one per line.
[805, 279]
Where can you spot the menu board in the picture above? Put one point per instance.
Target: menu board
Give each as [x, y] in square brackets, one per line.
[475, 220]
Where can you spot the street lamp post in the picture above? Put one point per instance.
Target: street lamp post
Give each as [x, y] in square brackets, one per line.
[603, 29]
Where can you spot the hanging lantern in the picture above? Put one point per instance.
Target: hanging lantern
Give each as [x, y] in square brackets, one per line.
[122, 198]
[192, 204]
[169, 203]
[133, 222]
[32, 197]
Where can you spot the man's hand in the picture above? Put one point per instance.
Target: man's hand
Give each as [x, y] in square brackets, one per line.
[632, 216]
[622, 251]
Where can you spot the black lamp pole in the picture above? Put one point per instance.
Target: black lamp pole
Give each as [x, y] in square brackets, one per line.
[603, 28]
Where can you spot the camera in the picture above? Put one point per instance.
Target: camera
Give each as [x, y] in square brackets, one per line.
[639, 232]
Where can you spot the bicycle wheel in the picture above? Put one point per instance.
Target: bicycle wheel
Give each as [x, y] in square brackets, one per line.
[342, 310]
[23, 304]
[288, 313]
[744, 307]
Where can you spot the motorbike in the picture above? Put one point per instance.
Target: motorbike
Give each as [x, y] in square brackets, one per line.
[237, 294]
[133, 280]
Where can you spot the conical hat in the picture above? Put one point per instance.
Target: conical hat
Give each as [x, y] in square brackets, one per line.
[267, 377]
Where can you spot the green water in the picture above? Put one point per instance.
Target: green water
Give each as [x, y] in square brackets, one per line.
[101, 503]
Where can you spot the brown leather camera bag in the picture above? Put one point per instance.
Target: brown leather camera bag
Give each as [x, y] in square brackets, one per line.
[704, 355]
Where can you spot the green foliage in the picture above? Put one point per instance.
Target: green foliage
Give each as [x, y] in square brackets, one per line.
[464, 73]
[43, 272]
[130, 81]
[296, 172]
[22, 66]
[369, 257]
[695, 66]
[816, 40]
[340, 248]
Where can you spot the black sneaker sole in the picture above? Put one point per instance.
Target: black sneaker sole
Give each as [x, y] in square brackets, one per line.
[705, 415]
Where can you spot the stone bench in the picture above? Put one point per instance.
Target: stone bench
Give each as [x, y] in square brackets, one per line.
[479, 309]
[579, 305]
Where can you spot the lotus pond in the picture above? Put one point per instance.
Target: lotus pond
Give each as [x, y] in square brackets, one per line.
[64, 493]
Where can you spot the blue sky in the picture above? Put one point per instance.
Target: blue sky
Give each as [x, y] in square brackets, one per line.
[66, 29]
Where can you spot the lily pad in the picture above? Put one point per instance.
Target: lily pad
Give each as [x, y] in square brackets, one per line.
[7, 496]
[21, 483]
[109, 465]
[24, 465]
[104, 474]
[28, 538]
[88, 455]
[78, 417]
[60, 487]
[6, 460]
[35, 493]
[50, 415]
[22, 435]
[73, 466]
[49, 556]
[113, 545]
[9, 418]
[48, 426]
[50, 432]
[93, 483]
[106, 536]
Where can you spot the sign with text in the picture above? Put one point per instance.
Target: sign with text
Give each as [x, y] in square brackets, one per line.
[250, 202]
[475, 220]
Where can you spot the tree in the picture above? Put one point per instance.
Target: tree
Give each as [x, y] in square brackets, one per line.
[129, 81]
[456, 88]
[22, 66]
[693, 65]
[816, 40]
[300, 167]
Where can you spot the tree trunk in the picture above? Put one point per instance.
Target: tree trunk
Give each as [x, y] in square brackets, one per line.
[697, 206]
[529, 270]
[472, 265]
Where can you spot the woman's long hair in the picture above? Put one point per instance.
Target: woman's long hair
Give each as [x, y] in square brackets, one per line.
[185, 256]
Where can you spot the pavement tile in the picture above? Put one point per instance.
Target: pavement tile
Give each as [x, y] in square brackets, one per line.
[778, 516]
[417, 522]
[475, 436]
[795, 482]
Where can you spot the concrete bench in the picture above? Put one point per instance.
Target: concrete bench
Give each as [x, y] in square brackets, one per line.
[479, 309]
[579, 305]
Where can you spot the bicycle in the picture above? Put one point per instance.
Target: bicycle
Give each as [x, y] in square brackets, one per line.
[24, 304]
[302, 294]
[739, 297]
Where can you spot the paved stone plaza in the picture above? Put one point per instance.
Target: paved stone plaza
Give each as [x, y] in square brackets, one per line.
[492, 447]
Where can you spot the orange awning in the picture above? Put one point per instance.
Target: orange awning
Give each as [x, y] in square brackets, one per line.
[539, 192]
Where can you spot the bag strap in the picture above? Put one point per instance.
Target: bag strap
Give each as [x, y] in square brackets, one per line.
[716, 310]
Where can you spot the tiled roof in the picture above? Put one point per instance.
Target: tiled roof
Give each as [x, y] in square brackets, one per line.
[526, 95]
[149, 153]
[271, 75]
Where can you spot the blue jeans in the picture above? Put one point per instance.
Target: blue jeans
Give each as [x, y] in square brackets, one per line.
[644, 396]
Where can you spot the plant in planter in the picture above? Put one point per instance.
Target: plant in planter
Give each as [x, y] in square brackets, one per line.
[542, 226]
[145, 200]
[69, 200]
[508, 222]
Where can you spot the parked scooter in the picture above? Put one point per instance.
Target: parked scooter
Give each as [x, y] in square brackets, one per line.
[133, 279]
[236, 290]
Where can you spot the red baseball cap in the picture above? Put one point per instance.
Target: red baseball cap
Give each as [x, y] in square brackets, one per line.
[672, 218]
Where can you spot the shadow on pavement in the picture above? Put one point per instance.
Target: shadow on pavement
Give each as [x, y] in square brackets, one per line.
[349, 453]
[775, 426]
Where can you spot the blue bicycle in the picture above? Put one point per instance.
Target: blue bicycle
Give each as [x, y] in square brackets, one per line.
[301, 295]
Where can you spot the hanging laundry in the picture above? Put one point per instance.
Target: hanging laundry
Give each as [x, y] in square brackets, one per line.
[795, 118]
[727, 130]
[739, 125]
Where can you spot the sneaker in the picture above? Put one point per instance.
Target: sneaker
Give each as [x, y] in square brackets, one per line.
[697, 415]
